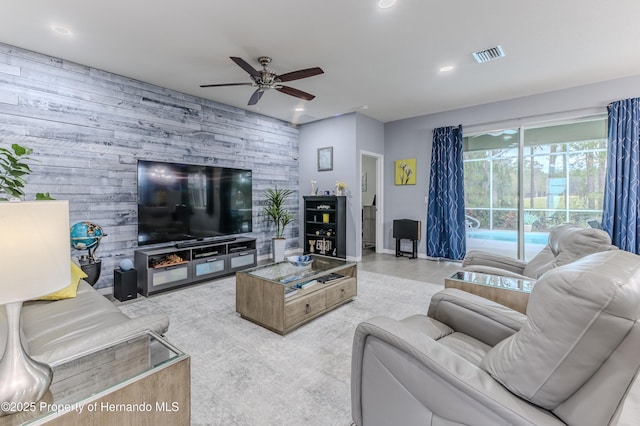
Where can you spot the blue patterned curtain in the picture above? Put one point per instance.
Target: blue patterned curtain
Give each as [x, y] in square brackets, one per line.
[445, 210]
[620, 216]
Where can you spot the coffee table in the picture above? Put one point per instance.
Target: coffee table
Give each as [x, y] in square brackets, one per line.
[282, 296]
[507, 291]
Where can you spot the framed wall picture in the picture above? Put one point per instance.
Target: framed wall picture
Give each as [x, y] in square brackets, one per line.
[405, 171]
[363, 183]
[325, 159]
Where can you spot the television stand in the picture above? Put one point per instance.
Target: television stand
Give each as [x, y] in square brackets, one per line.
[166, 268]
[203, 242]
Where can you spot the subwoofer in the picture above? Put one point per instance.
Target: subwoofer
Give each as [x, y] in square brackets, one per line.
[125, 284]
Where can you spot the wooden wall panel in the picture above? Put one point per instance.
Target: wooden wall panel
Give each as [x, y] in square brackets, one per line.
[88, 128]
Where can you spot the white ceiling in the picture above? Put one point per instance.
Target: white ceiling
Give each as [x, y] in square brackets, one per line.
[386, 60]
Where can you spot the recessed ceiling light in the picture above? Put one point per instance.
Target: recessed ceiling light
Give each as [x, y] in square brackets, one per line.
[446, 68]
[299, 109]
[61, 30]
[385, 4]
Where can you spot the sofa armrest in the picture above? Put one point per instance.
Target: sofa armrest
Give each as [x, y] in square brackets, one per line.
[401, 376]
[68, 346]
[483, 258]
[475, 316]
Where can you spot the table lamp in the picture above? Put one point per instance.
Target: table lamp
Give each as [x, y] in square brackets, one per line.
[34, 261]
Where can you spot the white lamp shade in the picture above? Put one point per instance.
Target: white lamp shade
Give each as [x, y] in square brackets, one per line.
[34, 249]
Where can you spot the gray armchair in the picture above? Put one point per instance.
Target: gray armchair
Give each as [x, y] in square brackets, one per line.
[572, 359]
[567, 243]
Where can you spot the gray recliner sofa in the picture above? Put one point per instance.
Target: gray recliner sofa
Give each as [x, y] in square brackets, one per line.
[567, 243]
[56, 330]
[571, 360]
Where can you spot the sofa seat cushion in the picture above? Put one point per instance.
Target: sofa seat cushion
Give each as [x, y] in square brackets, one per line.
[466, 347]
[428, 327]
[576, 317]
[56, 330]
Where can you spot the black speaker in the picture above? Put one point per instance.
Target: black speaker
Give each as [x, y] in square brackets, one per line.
[125, 284]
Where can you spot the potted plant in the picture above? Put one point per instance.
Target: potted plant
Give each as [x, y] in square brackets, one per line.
[12, 171]
[529, 220]
[280, 216]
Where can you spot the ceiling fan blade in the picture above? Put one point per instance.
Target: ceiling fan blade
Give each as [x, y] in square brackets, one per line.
[295, 92]
[245, 66]
[227, 84]
[296, 75]
[256, 96]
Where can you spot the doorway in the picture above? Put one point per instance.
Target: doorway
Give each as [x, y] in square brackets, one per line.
[371, 196]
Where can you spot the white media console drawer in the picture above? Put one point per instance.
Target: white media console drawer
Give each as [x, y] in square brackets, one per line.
[242, 260]
[170, 274]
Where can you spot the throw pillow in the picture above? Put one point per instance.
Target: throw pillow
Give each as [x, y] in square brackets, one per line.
[72, 289]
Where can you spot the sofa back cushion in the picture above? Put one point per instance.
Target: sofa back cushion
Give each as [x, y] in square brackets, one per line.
[577, 316]
[567, 243]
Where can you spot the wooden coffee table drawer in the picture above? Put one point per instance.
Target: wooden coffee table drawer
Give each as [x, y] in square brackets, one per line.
[303, 308]
[341, 292]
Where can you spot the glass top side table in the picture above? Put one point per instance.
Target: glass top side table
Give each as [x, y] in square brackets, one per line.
[141, 379]
[507, 291]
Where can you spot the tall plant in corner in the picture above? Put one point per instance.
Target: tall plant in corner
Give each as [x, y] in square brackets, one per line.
[280, 216]
[13, 169]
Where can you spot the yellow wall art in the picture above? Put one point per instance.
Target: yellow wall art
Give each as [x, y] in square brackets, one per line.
[406, 171]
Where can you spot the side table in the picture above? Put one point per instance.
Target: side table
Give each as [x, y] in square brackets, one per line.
[507, 291]
[141, 380]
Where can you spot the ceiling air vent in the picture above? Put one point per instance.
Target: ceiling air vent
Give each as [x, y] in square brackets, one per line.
[487, 55]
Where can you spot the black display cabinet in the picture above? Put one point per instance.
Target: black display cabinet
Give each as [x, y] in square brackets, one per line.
[325, 225]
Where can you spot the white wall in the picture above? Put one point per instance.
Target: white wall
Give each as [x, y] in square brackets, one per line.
[412, 137]
[339, 133]
[347, 134]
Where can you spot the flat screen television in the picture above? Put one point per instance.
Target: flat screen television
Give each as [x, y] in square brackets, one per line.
[178, 202]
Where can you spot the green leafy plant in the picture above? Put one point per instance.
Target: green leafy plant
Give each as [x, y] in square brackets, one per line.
[275, 209]
[13, 169]
[530, 218]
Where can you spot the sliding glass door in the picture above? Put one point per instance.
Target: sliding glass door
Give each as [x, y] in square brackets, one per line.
[491, 191]
[518, 188]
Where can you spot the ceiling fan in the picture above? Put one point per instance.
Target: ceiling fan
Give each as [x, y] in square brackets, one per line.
[267, 79]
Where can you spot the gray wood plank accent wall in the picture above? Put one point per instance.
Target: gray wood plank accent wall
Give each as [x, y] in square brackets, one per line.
[89, 127]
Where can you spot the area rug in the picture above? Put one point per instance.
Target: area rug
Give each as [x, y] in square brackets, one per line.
[243, 374]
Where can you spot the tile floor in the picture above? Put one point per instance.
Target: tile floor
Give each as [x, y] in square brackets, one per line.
[431, 271]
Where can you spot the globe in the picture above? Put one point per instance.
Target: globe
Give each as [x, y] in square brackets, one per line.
[86, 236]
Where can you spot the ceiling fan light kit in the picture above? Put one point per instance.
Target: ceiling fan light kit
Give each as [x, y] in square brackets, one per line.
[265, 79]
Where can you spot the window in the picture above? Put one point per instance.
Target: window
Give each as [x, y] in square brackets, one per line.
[550, 175]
